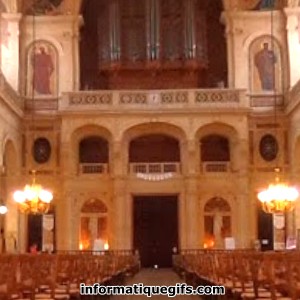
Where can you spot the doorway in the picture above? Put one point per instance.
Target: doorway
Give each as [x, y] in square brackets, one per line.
[155, 229]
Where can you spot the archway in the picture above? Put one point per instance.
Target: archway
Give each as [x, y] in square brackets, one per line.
[217, 222]
[93, 226]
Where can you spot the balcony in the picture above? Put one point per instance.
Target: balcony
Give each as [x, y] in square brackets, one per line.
[216, 167]
[136, 100]
[154, 168]
[93, 168]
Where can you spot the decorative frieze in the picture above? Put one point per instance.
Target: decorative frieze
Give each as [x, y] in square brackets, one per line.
[90, 98]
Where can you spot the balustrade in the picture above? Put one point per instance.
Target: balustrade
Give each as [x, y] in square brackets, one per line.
[93, 168]
[216, 167]
[154, 168]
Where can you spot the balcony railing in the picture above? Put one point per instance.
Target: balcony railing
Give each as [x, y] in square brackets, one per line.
[154, 168]
[153, 99]
[216, 167]
[93, 168]
[8, 94]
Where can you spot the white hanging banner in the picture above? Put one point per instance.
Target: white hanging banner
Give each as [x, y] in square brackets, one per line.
[48, 222]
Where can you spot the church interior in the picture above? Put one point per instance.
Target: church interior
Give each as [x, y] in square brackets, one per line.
[163, 132]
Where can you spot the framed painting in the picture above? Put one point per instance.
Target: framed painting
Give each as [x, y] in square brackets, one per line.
[42, 70]
[265, 66]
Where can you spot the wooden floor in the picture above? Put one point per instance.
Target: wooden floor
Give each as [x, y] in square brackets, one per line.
[155, 277]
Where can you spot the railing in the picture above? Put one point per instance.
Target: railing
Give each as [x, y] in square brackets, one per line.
[93, 168]
[154, 168]
[293, 97]
[215, 167]
[9, 94]
[151, 99]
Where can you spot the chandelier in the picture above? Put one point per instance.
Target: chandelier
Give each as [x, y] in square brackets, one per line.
[3, 208]
[33, 199]
[278, 197]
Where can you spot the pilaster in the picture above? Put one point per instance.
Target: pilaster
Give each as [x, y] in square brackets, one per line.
[122, 225]
[293, 40]
[10, 45]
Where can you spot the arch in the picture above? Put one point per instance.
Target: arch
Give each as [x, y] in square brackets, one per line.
[215, 147]
[93, 225]
[88, 131]
[265, 64]
[218, 128]
[217, 203]
[153, 128]
[93, 205]
[10, 158]
[154, 148]
[93, 149]
[217, 222]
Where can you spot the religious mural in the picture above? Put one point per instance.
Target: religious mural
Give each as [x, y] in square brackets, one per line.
[42, 70]
[265, 66]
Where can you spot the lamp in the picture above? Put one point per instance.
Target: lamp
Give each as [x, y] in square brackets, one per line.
[3, 208]
[278, 197]
[33, 199]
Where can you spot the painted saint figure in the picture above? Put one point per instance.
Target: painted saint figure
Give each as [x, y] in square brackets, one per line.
[42, 70]
[265, 60]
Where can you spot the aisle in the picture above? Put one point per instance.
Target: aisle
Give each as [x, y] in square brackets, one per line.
[155, 277]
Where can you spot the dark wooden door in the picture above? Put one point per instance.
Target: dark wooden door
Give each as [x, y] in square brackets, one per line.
[35, 231]
[265, 230]
[155, 229]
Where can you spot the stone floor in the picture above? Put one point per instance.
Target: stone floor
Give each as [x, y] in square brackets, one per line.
[155, 277]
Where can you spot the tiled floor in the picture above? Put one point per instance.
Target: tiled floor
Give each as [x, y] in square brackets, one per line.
[155, 277]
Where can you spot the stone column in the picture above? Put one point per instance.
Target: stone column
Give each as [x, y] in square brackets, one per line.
[10, 48]
[190, 202]
[230, 48]
[121, 234]
[120, 231]
[192, 214]
[76, 55]
[244, 213]
[65, 228]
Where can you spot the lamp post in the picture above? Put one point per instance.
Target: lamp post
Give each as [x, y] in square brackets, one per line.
[3, 211]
